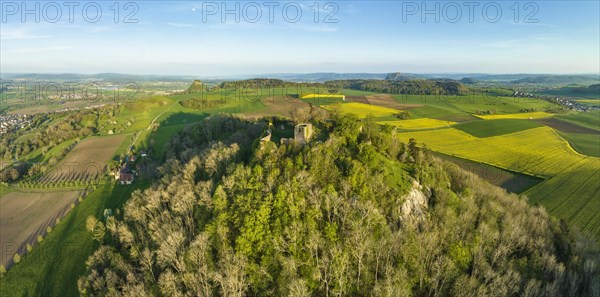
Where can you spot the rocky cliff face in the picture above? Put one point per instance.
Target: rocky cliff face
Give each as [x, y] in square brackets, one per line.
[415, 205]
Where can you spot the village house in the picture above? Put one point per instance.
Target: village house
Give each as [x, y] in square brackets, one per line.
[126, 178]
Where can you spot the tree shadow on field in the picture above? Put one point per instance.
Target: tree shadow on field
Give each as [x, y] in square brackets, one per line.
[182, 118]
[160, 135]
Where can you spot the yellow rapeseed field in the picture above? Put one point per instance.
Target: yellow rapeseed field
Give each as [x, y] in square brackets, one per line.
[313, 96]
[424, 123]
[524, 115]
[362, 110]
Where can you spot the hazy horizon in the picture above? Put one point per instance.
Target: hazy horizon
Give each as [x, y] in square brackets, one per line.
[298, 73]
[252, 38]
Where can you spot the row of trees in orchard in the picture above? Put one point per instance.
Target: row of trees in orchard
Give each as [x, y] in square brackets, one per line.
[357, 214]
[51, 129]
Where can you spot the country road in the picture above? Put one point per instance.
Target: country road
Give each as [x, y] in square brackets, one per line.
[150, 126]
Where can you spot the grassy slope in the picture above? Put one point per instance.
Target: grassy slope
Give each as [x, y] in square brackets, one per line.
[496, 127]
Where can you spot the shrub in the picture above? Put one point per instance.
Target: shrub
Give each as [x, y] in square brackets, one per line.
[48, 229]
[29, 248]
[17, 258]
[40, 238]
[90, 223]
[2, 271]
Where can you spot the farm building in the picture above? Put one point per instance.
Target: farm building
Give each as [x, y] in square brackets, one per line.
[126, 178]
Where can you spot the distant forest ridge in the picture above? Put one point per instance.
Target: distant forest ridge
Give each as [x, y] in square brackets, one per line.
[554, 79]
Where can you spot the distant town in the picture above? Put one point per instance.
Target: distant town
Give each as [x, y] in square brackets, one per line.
[12, 122]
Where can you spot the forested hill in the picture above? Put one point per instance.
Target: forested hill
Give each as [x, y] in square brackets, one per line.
[353, 213]
[412, 86]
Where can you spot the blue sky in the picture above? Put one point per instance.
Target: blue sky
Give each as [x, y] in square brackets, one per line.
[361, 36]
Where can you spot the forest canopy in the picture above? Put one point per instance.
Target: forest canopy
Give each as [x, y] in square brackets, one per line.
[355, 212]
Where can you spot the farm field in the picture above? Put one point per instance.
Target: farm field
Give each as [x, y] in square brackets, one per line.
[386, 100]
[586, 119]
[134, 116]
[279, 105]
[559, 124]
[584, 143]
[362, 110]
[543, 154]
[511, 181]
[418, 123]
[595, 101]
[329, 100]
[53, 266]
[583, 139]
[54, 106]
[316, 96]
[523, 115]
[573, 195]
[86, 161]
[490, 128]
[23, 216]
[538, 152]
[590, 102]
[465, 107]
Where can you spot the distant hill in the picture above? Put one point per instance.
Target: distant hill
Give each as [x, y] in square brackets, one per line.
[546, 79]
[322, 77]
[560, 79]
[592, 91]
[196, 86]
[402, 76]
[468, 81]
